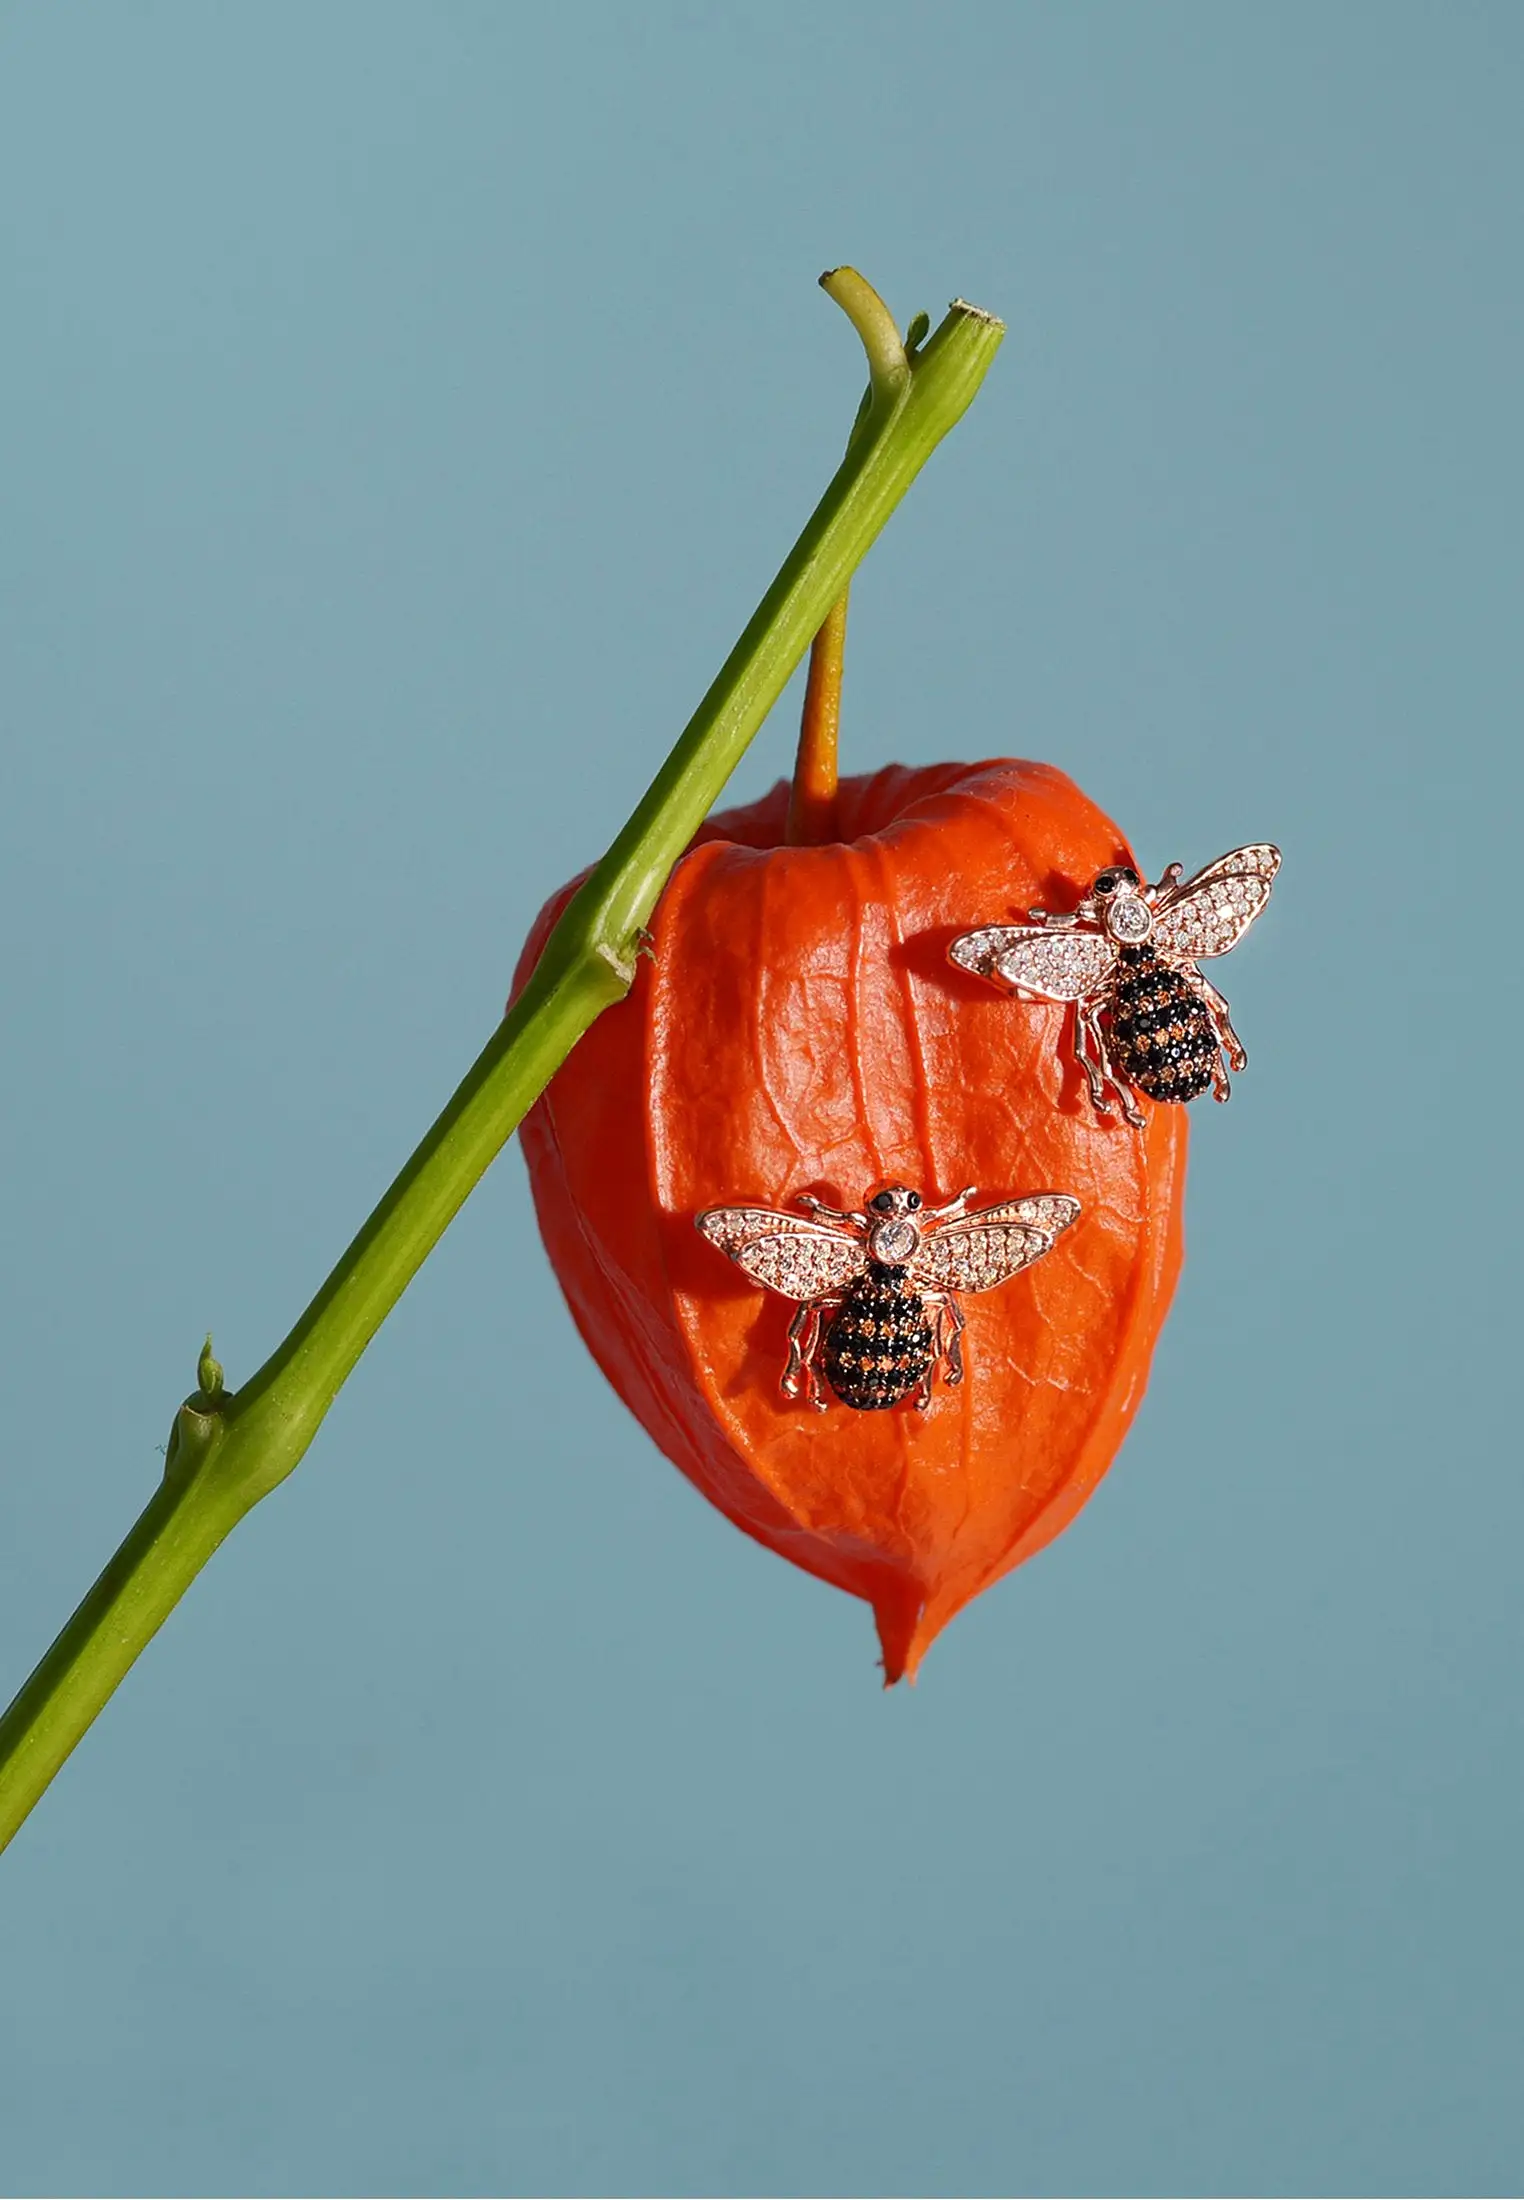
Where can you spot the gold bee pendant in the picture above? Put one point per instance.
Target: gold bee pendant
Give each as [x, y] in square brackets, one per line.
[1128, 954]
[878, 1290]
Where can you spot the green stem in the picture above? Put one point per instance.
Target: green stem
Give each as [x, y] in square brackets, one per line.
[227, 1450]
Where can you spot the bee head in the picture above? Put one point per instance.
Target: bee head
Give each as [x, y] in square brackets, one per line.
[893, 1238]
[1118, 878]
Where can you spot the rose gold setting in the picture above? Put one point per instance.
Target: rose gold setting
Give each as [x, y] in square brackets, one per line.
[816, 1256]
[1074, 956]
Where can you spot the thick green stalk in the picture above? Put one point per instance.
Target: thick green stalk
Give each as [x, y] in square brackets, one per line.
[227, 1450]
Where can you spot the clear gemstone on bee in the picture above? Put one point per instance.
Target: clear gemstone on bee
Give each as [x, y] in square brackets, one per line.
[1129, 918]
[894, 1241]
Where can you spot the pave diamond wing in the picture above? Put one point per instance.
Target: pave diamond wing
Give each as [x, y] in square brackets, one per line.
[1212, 911]
[1041, 963]
[992, 1244]
[787, 1253]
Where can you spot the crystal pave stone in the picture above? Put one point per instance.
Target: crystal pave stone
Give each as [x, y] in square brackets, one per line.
[1057, 962]
[1161, 1036]
[1210, 920]
[879, 1347]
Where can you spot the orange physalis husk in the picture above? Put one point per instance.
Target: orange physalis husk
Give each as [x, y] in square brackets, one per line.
[798, 1028]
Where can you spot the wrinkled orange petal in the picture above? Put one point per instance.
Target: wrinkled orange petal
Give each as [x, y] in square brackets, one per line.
[801, 1030]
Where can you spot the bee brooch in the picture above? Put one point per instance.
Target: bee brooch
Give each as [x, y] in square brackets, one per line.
[1129, 953]
[878, 1291]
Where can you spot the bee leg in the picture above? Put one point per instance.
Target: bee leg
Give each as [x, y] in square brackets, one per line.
[1095, 1060]
[1227, 1037]
[933, 1306]
[799, 1375]
[819, 1399]
[1130, 1108]
[1119, 1086]
[823, 1213]
[950, 1339]
[794, 1367]
[1087, 1044]
[953, 1207]
[1222, 1088]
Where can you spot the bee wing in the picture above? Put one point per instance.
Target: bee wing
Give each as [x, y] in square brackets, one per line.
[787, 1253]
[1038, 963]
[992, 1244]
[1212, 911]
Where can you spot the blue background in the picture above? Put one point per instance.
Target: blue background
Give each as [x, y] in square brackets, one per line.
[405, 406]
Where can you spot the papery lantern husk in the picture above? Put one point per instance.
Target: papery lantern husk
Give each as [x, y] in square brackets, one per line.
[798, 1028]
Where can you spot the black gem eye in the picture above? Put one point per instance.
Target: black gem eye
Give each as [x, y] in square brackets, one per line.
[882, 1203]
[1106, 883]
[912, 1201]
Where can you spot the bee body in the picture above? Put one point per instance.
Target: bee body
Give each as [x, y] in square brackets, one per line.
[1162, 1038]
[880, 1346]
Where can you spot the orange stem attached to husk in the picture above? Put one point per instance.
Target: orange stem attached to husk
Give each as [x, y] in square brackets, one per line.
[812, 802]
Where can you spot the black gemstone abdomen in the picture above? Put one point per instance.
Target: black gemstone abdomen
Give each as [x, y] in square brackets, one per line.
[1161, 1037]
[878, 1348]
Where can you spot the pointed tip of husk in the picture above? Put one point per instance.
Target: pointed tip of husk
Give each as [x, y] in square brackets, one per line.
[902, 1640]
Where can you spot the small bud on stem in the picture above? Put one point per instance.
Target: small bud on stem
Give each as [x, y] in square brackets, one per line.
[209, 1373]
